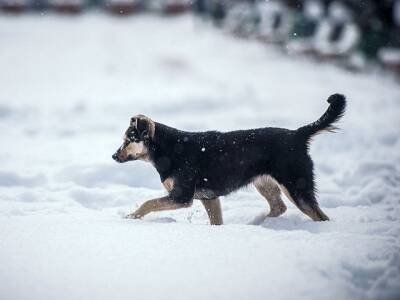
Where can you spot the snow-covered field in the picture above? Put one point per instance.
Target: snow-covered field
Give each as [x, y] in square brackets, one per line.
[67, 89]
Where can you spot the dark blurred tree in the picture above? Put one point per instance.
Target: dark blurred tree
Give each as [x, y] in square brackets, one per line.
[200, 7]
[218, 12]
[375, 21]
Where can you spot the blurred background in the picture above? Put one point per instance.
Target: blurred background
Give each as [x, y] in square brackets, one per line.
[73, 73]
[190, 64]
[353, 34]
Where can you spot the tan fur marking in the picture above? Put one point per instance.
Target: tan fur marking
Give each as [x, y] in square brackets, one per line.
[315, 213]
[137, 150]
[168, 184]
[213, 209]
[269, 189]
[158, 204]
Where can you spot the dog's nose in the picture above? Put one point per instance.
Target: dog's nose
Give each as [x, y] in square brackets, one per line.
[114, 156]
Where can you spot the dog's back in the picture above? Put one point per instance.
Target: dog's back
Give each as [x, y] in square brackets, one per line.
[223, 162]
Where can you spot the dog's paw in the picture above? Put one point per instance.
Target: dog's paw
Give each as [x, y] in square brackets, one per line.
[133, 215]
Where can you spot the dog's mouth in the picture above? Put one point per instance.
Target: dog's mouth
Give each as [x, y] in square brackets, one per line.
[117, 158]
[130, 157]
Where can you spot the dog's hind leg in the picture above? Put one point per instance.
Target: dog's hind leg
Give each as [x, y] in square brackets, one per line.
[213, 209]
[157, 204]
[270, 190]
[305, 200]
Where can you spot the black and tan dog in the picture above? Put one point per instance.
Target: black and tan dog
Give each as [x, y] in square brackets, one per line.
[206, 165]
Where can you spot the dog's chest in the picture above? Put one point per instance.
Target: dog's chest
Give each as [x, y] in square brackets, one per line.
[204, 194]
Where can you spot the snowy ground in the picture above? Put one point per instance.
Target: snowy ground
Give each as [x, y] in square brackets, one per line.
[67, 89]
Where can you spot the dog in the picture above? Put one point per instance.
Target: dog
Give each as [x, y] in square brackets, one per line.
[211, 164]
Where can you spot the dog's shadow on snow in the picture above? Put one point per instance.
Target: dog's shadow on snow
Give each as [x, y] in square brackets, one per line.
[152, 219]
[281, 223]
[161, 220]
[289, 223]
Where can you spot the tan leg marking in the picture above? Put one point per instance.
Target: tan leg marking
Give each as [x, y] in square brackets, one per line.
[158, 204]
[269, 189]
[168, 184]
[314, 212]
[213, 209]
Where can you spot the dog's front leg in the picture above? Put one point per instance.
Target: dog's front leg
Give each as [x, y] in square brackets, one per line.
[213, 209]
[158, 204]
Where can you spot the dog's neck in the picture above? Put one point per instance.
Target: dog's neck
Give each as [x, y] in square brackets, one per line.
[159, 148]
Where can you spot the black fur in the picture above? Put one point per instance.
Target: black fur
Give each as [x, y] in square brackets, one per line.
[333, 114]
[214, 164]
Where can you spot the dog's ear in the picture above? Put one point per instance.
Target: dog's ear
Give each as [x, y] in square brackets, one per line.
[144, 126]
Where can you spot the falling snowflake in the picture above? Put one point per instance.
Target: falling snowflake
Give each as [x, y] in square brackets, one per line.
[203, 149]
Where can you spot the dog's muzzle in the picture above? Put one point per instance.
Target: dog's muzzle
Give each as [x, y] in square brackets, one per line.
[115, 157]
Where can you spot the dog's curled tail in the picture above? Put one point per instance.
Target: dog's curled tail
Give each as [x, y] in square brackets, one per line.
[333, 114]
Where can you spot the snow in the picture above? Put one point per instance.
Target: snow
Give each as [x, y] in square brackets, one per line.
[389, 55]
[313, 9]
[323, 45]
[68, 89]
[347, 42]
[339, 12]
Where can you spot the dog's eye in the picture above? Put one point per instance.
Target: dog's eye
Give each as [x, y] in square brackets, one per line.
[132, 138]
[131, 135]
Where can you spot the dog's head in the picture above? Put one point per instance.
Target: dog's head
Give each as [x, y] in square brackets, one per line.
[136, 140]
